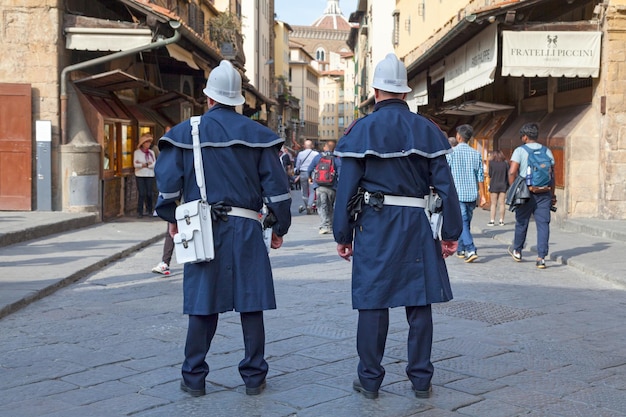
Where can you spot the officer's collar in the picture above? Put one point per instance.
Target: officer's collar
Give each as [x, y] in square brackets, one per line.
[389, 102]
[221, 106]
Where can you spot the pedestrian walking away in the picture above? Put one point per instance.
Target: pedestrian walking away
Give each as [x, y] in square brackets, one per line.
[498, 185]
[525, 162]
[303, 161]
[242, 172]
[467, 170]
[324, 171]
[163, 267]
[390, 160]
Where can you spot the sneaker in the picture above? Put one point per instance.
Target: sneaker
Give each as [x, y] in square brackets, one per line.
[541, 264]
[301, 209]
[470, 257]
[517, 256]
[460, 254]
[161, 268]
[491, 223]
[501, 222]
[324, 231]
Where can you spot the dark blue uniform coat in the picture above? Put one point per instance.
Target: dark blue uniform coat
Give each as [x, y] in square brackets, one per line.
[396, 261]
[241, 168]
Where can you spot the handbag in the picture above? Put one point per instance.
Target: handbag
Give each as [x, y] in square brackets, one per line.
[194, 240]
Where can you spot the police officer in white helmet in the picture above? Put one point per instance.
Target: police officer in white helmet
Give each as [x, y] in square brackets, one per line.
[390, 161]
[242, 173]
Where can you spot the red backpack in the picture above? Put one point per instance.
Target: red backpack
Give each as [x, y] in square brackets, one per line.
[325, 173]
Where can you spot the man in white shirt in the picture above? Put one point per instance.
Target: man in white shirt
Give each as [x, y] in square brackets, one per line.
[303, 160]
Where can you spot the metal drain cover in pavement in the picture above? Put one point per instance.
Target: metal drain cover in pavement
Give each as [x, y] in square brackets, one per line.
[485, 312]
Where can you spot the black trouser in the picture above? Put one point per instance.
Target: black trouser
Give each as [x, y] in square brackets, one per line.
[144, 190]
[253, 368]
[372, 331]
[168, 247]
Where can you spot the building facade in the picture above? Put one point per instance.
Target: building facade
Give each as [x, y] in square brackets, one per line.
[304, 81]
[325, 40]
[258, 32]
[371, 38]
[500, 64]
[89, 81]
[288, 106]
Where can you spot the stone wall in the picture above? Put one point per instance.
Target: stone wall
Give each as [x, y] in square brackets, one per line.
[612, 202]
[30, 35]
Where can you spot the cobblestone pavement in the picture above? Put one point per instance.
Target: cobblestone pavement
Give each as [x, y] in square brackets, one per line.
[516, 341]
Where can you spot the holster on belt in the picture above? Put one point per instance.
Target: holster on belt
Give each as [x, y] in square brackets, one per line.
[374, 200]
[220, 211]
[355, 204]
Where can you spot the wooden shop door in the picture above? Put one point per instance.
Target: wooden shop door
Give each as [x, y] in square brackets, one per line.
[16, 147]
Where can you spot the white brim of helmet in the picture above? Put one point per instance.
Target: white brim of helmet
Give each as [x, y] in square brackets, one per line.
[227, 98]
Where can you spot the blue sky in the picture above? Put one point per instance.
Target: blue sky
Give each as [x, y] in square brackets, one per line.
[305, 12]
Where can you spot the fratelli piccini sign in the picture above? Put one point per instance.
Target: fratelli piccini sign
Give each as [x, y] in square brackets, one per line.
[551, 53]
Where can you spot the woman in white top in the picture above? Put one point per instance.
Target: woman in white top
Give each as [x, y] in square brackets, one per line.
[144, 174]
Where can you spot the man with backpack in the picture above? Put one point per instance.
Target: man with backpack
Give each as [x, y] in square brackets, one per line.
[303, 161]
[324, 171]
[535, 163]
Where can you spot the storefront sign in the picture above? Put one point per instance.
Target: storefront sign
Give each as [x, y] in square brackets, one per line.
[551, 53]
[473, 65]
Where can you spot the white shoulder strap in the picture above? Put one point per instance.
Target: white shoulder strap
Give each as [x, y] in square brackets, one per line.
[197, 155]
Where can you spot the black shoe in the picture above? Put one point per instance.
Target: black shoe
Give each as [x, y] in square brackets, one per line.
[256, 390]
[370, 395]
[191, 391]
[423, 394]
[541, 264]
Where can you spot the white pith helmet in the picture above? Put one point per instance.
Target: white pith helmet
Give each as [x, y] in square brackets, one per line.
[390, 75]
[224, 85]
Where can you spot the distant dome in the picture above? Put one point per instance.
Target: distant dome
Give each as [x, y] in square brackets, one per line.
[332, 18]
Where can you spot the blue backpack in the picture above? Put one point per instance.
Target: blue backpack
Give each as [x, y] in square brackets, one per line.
[541, 168]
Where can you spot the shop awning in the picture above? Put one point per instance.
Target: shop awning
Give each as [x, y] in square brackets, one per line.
[181, 54]
[146, 116]
[105, 38]
[108, 106]
[551, 53]
[169, 98]
[114, 81]
[474, 108]
[437, 71]
[473, 65]
[419, 95]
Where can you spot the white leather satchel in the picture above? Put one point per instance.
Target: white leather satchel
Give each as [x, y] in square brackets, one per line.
[194, 240]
